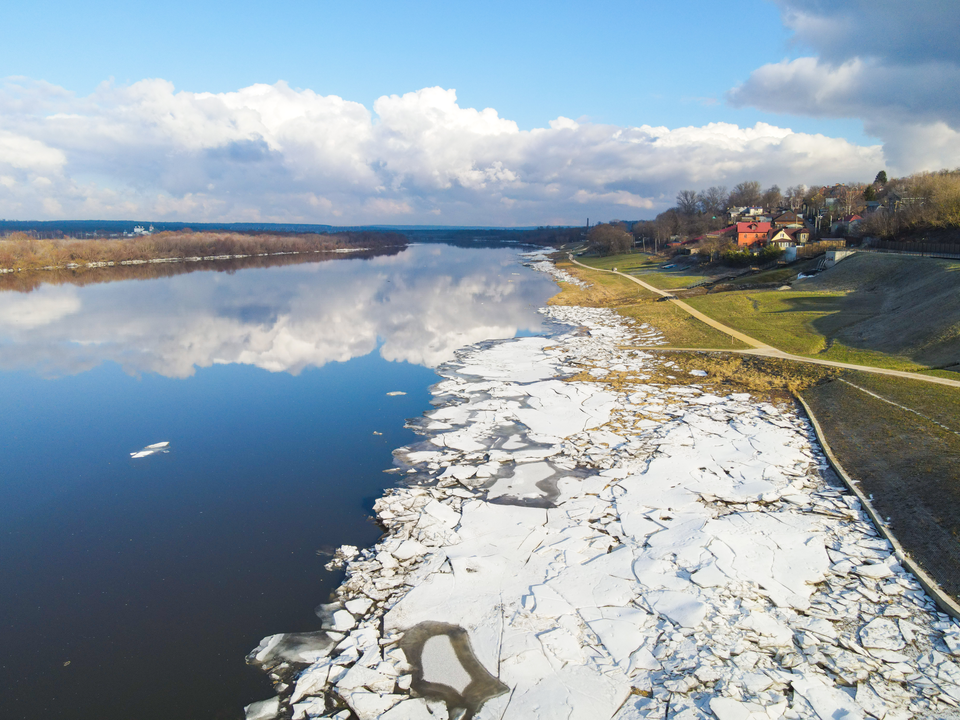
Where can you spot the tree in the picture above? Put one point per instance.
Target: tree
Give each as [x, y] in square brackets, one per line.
[881, 178]
[771, 199]
[795, 195]
[609, 240]
[745, 194]
[869, 193]
[713, 200]
[687, 202]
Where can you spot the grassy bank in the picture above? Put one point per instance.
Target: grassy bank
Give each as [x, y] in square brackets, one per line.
[798, 322]
[906, 462]
[649, 268]
[634, 301]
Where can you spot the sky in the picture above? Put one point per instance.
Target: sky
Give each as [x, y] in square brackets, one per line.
[452, 113]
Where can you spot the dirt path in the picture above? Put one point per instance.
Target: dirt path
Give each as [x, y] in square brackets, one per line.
[764, 350]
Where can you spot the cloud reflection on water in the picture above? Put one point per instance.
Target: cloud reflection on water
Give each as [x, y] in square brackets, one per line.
[418, 306]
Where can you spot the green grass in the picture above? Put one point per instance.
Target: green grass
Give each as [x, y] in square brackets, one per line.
[778, 275]
[904, 462]
[798, 322]
[623, 263]
[939, 402]
[670, 279]
[679, 328]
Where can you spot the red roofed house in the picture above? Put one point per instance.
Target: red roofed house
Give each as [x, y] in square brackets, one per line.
[752, 233]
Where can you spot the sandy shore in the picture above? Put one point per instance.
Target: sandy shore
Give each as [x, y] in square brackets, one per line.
[615, 545]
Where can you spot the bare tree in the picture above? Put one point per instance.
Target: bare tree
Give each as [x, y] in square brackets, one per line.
[772, 198]
[687, 202]
[713, 200]
[795, 196]
[745, 194]
[609, 239]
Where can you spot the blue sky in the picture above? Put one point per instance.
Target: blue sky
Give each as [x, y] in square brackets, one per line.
[803, 67]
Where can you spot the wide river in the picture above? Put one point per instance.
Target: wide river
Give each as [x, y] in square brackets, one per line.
[133, 588]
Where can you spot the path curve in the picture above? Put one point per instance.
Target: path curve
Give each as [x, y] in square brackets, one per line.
[764, 350]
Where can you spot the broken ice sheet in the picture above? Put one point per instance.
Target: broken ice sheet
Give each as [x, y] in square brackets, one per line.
[160, 447]
[666, 565]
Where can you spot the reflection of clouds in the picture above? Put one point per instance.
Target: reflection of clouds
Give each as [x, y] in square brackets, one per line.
[46, 305]
[419, 306]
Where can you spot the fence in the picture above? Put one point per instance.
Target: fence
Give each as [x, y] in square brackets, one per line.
[923, 249]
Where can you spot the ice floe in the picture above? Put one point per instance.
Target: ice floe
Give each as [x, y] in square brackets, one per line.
[160, 447]
[579, 539]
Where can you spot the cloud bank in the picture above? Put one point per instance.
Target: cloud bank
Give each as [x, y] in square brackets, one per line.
[893, 65]
[276, 154]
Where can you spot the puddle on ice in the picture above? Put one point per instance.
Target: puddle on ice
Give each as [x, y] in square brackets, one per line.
[445, 668]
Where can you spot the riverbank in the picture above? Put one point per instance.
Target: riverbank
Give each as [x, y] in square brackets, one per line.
[588, 534]
[20, 252]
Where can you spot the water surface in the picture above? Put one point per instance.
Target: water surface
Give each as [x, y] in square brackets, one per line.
[134, 588]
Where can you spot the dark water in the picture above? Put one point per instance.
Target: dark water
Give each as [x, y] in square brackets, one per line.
[154, 577]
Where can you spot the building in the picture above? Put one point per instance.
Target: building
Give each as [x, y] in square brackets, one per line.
[789, 236]
[787, 220]
[752, 233]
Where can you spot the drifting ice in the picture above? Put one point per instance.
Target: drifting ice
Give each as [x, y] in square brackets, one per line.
[151, 449]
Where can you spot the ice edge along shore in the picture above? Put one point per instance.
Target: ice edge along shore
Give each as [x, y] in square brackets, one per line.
[615, 547]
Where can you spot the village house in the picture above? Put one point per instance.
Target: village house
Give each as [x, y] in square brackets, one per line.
[789, 236]
[787, 220]
[846, 225]
[752, 233]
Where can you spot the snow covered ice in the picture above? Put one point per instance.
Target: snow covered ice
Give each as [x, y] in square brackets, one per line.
[606, 545]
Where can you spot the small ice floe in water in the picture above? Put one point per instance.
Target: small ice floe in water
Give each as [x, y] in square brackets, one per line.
[394, 393]
[151, 449]
[699, 373]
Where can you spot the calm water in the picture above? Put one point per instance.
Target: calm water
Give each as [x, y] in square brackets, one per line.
[133, 589]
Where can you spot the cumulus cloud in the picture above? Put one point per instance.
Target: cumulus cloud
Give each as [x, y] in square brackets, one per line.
[274, 153]
[895, 67]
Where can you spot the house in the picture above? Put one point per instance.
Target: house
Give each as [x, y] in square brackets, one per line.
[846, 225]
[788, 236]
[787, 220]
[752, 233]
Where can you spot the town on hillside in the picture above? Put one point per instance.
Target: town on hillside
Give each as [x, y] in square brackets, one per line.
[747, 225]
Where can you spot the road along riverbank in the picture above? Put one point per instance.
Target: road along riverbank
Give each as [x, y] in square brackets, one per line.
[585, 534]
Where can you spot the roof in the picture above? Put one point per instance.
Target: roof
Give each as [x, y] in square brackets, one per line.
[753, 227]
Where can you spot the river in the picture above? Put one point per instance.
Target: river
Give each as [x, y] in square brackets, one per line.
[134, 587]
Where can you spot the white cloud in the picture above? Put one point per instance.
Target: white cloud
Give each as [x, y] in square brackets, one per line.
[274, 153]
[899, 74]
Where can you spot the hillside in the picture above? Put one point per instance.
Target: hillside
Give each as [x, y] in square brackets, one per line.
[900, 305]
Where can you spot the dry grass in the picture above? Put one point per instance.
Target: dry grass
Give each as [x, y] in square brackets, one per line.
[604, 290]
[20, 251]
[30, 280]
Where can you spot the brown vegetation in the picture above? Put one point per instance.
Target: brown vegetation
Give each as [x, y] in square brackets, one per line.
[917, 204]
[30, 280]
[20, 251]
